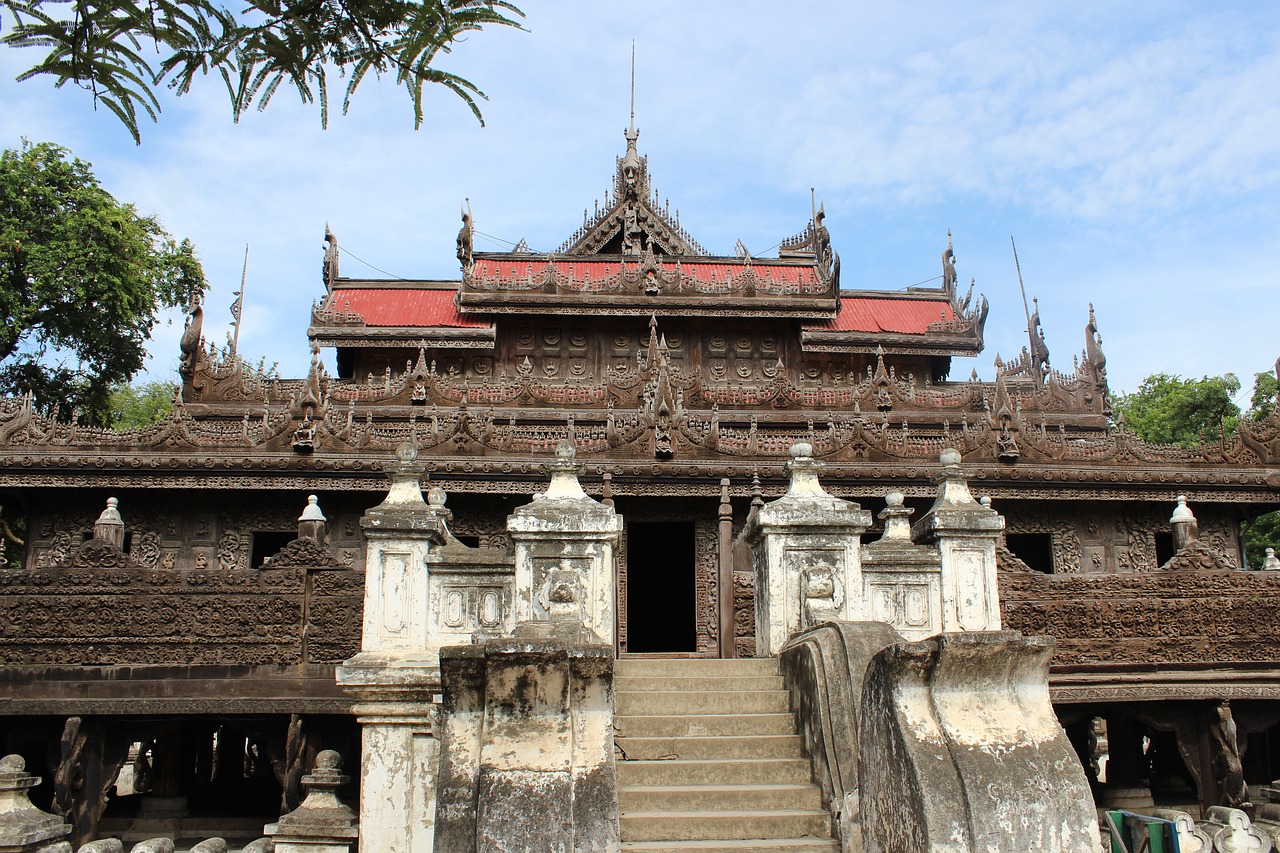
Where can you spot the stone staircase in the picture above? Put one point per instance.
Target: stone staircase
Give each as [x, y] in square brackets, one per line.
[711, 761]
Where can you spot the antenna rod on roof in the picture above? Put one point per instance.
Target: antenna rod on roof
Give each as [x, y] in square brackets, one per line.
[633, 84]
[1039, 351]
[813, 207]
[1018, 267]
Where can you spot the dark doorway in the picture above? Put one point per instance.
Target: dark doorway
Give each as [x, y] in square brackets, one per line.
[661, 616]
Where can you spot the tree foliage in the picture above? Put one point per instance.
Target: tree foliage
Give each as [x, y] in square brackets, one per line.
[81, 279]
[140, 405]
[1266, 387]
[123, 51]
[1260, 534]
[1168, 409]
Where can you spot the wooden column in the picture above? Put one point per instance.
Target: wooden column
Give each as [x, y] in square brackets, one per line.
[724, 601]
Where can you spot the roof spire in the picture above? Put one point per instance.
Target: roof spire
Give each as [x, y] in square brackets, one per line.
[633, 86]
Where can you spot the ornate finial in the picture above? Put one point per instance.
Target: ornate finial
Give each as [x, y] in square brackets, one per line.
[1183, 524]
[896, 518]
[312, 511]
[110, 526]
[804, 470]
[311, 524]
[633, 87]
[564, 473]
[328, 759]
[436, 497]
[407, 452]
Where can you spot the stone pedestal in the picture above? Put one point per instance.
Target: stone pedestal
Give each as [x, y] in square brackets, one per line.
[564, 547]
[322, 823]
[806, 554]
[23, 827]
[965, 533]
[528, 762]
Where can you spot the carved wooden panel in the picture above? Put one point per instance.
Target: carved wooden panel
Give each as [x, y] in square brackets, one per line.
[105, 617]
[1148, 618]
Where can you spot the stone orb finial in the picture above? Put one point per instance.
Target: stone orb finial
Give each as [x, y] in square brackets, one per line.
[312, 511]
[1182, 512]
[950, 456]
[894, 499]
[801, 450]
[113, 503]
[985, 500]
[436, 497]
[328, 759]
[13, 764]
[407, 452]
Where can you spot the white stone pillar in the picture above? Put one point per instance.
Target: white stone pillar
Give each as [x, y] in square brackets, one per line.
[965, 532]
[395, 679]
[564, 547]
[400, 751]
[806, 550]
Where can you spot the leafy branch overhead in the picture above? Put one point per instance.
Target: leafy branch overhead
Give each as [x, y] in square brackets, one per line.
[123, 51]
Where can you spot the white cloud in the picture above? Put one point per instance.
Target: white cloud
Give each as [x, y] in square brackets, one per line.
[1133, 151]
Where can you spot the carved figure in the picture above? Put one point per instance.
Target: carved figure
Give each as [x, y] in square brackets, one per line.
[1007, 445]
[949, 269]
[1226, 757]
[191, 342]
[465, 239]
[329, 269]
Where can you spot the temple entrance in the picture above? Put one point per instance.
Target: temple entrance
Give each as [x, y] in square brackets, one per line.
[661, 591]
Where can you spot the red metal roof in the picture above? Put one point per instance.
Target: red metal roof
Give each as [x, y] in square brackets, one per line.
[582, 270]
[393, 306]
[880, 314]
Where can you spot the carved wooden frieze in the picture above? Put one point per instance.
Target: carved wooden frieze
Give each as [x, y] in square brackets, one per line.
[1148, 618]
[109, 616]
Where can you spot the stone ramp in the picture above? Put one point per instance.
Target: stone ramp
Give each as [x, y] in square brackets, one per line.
[709, 760]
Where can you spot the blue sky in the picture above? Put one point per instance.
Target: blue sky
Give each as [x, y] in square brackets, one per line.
[1132, 149]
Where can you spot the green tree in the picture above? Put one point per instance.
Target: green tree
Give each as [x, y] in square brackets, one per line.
[1266, 387]
[1260, 534]
[82, 277]
[123, 50]
[140, 405]
[1168, 409]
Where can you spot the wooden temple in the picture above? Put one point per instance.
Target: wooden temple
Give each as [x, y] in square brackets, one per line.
[209, 634]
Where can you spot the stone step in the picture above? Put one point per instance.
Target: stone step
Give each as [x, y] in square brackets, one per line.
[704, 725]
[733, 771]
[720, 825]
[749, 845]
[654, 667]
[709, 683]
[689, 702]
[674, 798]
[748, 746]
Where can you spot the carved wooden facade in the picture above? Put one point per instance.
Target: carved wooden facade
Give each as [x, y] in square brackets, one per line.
[669, 369]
